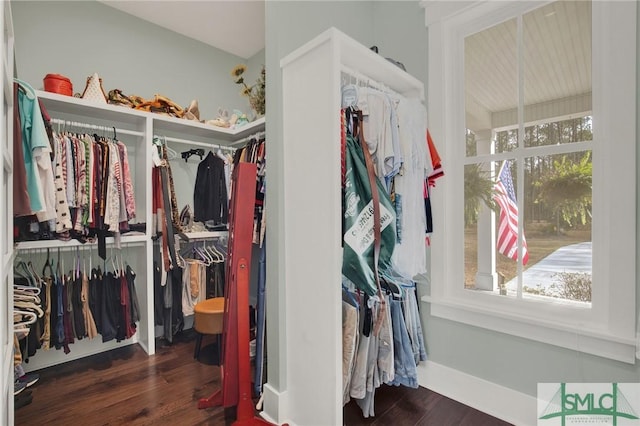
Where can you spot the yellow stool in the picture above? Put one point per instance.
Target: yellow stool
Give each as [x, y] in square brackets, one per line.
[208, 320]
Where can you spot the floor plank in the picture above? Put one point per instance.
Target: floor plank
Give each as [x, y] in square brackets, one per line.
[126, 387]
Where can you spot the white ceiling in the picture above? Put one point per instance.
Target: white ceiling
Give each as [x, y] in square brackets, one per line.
[234, 26]
[556, 65]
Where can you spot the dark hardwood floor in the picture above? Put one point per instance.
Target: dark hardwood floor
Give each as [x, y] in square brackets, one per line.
[127, 387]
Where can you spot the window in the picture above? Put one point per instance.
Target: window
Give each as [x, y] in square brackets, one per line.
[538, 98]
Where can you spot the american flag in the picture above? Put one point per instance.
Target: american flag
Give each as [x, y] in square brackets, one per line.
[508, 224]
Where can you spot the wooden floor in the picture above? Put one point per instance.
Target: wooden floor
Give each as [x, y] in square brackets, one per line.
[127, 387]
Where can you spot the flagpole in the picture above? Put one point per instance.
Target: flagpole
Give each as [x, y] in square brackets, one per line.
[500, 171]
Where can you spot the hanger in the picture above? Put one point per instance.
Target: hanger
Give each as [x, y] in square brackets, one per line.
[26, 290]
[392, 287]
[26, 297]
[113, 265]
[60, 265]
[22, 273]
[208, 255]
[34, 273]
[32, 317]
[205, 258]
[349, 95]
[29, 305]
[219, 257]
[48, 263]
[194, 151]
[122, 267]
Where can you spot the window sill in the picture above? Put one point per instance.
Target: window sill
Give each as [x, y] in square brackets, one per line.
[579, 339]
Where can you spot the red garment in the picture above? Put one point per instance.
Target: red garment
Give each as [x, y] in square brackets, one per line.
[125, 303]
[158, 210]
[436, 162]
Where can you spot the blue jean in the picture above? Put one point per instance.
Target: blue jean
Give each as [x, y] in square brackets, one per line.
[406, 373]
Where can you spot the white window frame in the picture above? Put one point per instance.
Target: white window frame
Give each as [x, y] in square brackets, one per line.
[608, 328]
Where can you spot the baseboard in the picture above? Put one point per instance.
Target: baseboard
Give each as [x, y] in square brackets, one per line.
[499, 401]
[274, 405]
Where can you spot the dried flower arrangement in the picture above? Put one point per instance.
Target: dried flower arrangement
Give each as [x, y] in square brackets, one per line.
[256, 92]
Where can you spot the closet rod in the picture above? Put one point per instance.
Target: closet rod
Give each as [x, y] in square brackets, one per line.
[363, 80]
[96, 127]
[93, 247]
[202, 144]
[248, 138]
[73, 246]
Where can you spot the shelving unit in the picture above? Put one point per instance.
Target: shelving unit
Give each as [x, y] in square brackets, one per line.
[136, 130]
[6, 218]
[203, 235]
[311, 182]
[44, 244]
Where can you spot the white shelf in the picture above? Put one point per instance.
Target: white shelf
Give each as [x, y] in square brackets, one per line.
[203, 235]
[82, 108]
[179, 126]
[79, 349]
[161, 123]
[43, 244]
[353, 55]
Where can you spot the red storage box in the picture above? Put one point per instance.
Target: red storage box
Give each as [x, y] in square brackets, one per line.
[57, 83]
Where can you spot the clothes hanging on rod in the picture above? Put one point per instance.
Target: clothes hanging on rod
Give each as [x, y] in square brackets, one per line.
[36, 151]
[390, 357]
[255, 152]
[400, 131]
[382, 334]
[203, 265]
[90, 186]
[166, 218]
[168, 296]
[76, 303]
[104, 131]
[257, 135]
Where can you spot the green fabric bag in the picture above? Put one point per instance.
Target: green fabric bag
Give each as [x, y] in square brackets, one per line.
[357, 216]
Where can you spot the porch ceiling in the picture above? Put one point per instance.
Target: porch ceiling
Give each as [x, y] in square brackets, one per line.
[557, 67]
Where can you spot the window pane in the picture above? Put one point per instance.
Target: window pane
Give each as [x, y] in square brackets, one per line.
[553, 209]
[491, 83]
[478, 195]
[557, 228]
[559, 132]
[557, 73]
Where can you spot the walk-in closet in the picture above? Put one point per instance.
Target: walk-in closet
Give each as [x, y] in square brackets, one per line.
[256, 212]
[95, 291]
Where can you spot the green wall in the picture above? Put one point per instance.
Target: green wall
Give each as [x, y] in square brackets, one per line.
[79, 38]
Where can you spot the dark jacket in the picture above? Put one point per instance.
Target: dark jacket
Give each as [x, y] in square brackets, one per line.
[210, 200]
